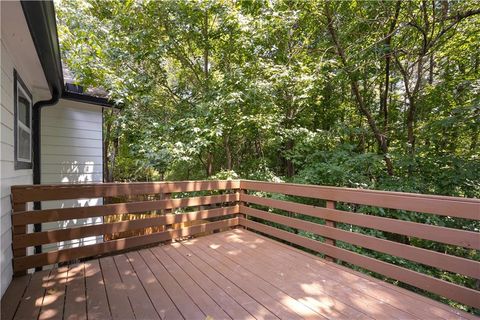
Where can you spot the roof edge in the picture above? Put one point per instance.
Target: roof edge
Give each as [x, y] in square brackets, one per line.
[85, 98]
[42, 24]
[41, 20]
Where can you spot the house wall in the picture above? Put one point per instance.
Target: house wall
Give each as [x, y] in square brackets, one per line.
[17, 52]
[9, 176]
[71, 152]
[72, 132]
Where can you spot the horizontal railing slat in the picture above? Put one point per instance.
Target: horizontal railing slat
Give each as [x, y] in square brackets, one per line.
[30, 193]
[441, 287]
[49, 215]
[435, 259]
[53, 236]
[51, 257]
[467, 239]
[439, 205]
[235, 202]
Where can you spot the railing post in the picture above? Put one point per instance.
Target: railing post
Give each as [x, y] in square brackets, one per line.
[329, 223]
[167, 196]
[17, 230]
[241, 203]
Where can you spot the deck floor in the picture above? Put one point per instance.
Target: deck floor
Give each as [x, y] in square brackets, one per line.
[236, 274]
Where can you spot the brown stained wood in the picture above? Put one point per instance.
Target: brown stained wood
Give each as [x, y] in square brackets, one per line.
[251, 305]
[440, 205]
[97, 302]
[368, 285]
[53, 301]
[324, 291]
[462, 238]
[167, 196]
[48, 215]
[53, 236]
[56, 256]
[12, 297]
[330, 223]
[140, 301]
[427, 257]
[280, 281]
[19, 230]
[160, 299]
[443, 288]
[455, 207]
[241, 192]
[119, 303]
[319, 285]
[32, 299]
[199, 296]
[75, 299]
[314, 268]
[252, 270]
[274, 307]
[273, 301]
[28, 193]
[182, 300]
[216, 293]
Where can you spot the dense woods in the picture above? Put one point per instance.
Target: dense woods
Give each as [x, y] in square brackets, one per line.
[369, 94]
[364, 94]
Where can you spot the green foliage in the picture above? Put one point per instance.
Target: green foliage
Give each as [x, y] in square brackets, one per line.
[364, 94]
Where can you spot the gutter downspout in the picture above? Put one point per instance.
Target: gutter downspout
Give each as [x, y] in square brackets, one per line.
[36, 142]
[41, 21]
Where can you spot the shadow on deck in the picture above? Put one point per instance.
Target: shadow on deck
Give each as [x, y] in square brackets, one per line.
[236, 274]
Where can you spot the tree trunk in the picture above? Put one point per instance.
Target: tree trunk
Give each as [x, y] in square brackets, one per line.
[379, 136]
[209, 164]
[431, 69]
[206, 51]
[116, 144]
[228, 152]
[287, 165]
[388, 60]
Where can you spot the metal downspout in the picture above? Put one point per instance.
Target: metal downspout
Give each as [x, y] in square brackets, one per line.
[36, 146]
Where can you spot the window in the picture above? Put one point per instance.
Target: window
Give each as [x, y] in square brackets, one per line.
[23, 124]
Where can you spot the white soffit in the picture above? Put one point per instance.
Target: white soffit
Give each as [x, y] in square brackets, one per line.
[18, 41]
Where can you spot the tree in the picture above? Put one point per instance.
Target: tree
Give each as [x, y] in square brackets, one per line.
[366, 94]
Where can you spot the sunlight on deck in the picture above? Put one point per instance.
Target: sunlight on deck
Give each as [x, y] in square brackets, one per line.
[235, 274]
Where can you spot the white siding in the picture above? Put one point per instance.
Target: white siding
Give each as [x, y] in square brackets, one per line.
[71, 152]
[8, 176]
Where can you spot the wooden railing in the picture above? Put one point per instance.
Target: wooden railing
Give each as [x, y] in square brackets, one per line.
[439, 205]
[221, 206]
[248, 204]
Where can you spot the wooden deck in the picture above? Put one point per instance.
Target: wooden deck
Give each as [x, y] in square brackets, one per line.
[236, 274]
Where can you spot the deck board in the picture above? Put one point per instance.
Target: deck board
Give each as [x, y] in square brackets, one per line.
[250, 304]
[120, 307]
[282, 275]
[182, 300]
[14, 293]
[159, 297]
[52, 306]
[97, 301]
[75, 299]
[140, 300]
[32, 300]
[243, 281]
[284, 305]
[227, 303]
[229, 275]
[291, 274]
[199, 296]
[384, 292]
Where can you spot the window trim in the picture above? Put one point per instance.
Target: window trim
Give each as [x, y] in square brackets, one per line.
[18, 84]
